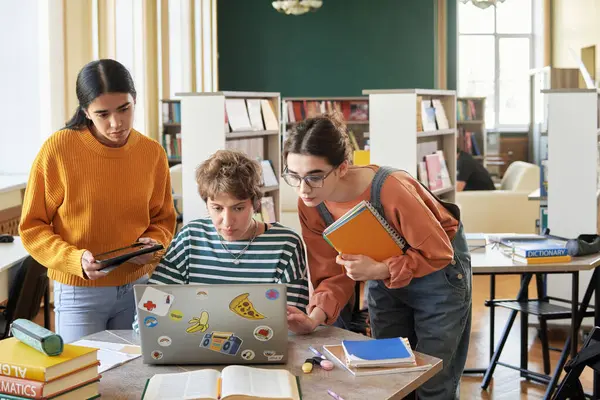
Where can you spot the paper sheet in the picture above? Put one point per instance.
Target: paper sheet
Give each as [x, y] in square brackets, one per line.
[111, 355]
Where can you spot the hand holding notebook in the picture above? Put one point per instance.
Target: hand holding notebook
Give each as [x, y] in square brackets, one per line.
[362, 268]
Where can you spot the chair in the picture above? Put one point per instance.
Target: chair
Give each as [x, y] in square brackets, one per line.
[25, 296]
[588, 356]
[177, 185]
[504, 210]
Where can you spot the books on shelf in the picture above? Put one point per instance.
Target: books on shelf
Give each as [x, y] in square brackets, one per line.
[255, 114]
[362, 230]
[267, 209]
[465, 110]
[271, 123]
[171, 112]
[237, 115]
[438, 176]
[440, 114]
[352, 110]
[428, 116]
[26, 373]
[268, 174]
[172, 145]
[233, 382]
[431, 115]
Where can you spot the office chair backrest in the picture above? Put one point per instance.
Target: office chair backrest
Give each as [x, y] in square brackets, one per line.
[26, 292]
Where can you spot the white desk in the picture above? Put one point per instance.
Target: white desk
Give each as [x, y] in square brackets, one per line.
[493, 262]
[11, 254]
[8, 183]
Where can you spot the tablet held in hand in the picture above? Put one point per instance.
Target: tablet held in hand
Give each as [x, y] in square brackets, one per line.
[116, 257]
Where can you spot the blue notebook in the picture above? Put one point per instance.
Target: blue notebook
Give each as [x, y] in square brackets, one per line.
[380, 351]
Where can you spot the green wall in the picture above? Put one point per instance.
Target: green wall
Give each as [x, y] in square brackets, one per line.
[343, 48]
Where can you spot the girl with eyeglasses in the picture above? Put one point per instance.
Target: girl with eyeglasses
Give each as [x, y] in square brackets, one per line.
[424, 294]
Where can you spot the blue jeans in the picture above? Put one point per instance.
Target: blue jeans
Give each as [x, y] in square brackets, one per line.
[434, 313]
[81, 311]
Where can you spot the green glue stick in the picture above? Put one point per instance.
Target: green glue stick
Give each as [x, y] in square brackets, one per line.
[37, 337]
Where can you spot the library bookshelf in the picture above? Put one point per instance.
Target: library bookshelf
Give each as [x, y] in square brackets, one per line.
[170, 132]
[245, 121]
[404, 132]
[472, 134]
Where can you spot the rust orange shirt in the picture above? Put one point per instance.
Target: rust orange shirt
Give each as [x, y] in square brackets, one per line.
[415, 214]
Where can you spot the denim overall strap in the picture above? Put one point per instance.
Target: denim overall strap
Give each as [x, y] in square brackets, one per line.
[380, 177]
[325, 214]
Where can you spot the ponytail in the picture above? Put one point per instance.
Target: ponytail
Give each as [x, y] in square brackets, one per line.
[78, 120]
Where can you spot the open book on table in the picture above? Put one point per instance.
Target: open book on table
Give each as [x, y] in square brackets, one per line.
[233, 383]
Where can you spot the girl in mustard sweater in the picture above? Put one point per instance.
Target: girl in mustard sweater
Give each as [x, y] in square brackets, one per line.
[97, 185]
[424, 294]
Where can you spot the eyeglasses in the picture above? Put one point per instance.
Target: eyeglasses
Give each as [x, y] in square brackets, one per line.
[312, 181]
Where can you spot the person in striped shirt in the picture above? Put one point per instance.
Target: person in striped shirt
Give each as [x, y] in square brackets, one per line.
[231, 246]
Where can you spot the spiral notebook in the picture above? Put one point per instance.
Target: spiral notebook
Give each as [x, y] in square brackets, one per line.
[362, 230]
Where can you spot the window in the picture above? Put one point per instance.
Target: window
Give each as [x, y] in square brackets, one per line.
[495, 54]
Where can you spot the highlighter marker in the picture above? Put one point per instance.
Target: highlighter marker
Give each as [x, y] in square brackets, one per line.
[307, 367]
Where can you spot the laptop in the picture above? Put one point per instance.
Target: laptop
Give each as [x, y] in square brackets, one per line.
[213, 324]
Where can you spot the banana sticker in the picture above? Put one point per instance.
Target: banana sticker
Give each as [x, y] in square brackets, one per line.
[198, 324]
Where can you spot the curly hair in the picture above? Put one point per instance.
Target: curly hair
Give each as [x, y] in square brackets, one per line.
[323, 136]
[231, 172]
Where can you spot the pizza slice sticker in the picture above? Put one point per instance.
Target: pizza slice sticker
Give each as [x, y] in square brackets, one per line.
[243, 307]
[156, 302]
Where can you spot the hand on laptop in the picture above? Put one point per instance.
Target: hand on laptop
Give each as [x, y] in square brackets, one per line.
[299, 322]
[90, 266]
[144, 258]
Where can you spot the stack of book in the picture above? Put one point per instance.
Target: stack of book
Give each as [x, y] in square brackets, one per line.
[26, 373]
[376, 357]
[540, 252]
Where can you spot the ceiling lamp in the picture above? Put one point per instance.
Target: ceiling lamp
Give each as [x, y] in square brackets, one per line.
[297, 7]
[483, 3]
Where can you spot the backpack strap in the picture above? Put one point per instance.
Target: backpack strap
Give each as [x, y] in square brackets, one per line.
[380, 177]
[325, 214]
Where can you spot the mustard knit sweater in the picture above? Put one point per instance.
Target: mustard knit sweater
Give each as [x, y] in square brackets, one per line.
[82, 195]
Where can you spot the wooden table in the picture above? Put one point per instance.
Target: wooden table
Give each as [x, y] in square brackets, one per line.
[494, 262]
[128, 380]
[11, 254]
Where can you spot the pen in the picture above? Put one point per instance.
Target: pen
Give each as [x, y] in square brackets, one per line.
[317, 352]
[334, 395]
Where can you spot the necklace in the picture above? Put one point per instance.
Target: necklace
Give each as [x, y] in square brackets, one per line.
[236, 258]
